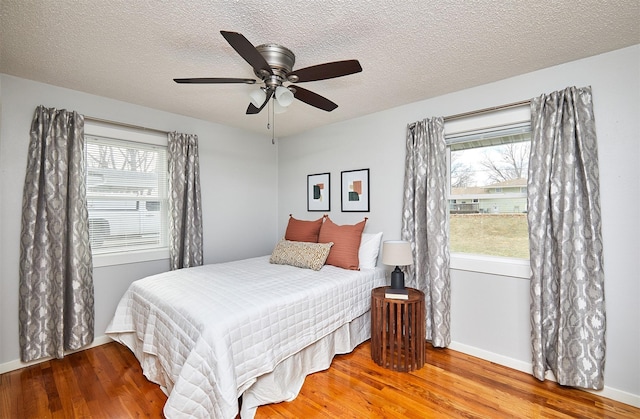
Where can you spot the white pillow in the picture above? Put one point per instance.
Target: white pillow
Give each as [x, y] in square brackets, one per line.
[368, 251]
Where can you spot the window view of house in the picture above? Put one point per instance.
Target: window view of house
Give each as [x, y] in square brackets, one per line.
[126, 195]
[487, 195]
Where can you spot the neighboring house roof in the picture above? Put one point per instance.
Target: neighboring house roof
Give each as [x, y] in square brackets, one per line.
[511, 183]
[479, 190]
[469, 191]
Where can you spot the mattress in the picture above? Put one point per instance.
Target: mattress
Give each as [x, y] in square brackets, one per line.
[210, 333]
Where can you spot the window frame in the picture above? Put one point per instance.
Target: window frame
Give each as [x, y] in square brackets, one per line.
[100, 129]
[487, 264]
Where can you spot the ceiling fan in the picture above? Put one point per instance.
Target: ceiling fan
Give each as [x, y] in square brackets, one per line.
[273, 64]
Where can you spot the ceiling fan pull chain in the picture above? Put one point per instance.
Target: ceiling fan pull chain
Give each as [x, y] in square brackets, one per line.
[273, 119]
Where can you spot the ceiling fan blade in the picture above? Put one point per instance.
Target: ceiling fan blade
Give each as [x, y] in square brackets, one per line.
[247, 51]
[204, 80]
[325, 71]
[252, 110]
[313, 99]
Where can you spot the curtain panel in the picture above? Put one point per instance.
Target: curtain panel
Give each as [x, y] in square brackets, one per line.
[185, 202]
[425, 224]
[567, 283]
[56, 296]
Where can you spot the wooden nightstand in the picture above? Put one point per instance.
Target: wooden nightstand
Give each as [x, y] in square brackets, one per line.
[397, 330]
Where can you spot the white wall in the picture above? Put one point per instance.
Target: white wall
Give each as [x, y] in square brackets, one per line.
[239, 189]
[490, 312]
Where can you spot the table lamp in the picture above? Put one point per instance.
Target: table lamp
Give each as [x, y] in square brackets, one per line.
[398, 253]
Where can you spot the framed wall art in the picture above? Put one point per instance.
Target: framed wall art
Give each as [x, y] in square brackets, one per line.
[355, 190]
[318, 192]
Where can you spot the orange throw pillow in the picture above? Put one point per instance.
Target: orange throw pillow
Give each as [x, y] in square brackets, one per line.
[303, 231]
[346, 242]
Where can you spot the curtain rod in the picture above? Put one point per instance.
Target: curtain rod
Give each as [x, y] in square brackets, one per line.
[123, 124]
[487, 110]
[446, 118]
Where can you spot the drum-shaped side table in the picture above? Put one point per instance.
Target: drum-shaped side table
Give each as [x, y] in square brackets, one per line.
[397, 330]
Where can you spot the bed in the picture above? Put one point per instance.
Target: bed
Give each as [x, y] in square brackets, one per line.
[252, 329]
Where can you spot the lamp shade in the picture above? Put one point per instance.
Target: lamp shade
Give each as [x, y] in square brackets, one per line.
[284, 96]
[397, 253]
[257, 97]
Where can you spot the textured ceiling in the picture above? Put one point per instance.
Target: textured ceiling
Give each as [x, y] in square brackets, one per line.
[409, 50]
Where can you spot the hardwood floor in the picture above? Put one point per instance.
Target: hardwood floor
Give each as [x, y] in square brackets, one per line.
[107, 382]
[102, 382]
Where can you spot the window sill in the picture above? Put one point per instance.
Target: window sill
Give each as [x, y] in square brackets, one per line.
[122, 258]
[517, 268]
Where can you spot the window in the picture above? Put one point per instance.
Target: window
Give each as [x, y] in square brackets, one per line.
[487, 189]
[126, 196]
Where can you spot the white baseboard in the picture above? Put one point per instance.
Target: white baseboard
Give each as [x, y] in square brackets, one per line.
[17, 364]
[608, 392]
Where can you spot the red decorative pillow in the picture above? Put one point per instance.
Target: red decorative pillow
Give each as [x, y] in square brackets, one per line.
[303, 231]
[346, 242]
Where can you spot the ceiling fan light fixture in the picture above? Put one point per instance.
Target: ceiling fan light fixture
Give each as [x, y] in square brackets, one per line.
[284, 96]
[257, 97]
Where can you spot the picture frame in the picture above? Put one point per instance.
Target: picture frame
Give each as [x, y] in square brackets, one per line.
[355, 190]
[319, 192]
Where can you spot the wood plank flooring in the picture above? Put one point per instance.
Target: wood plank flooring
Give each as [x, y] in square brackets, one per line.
[107, 382]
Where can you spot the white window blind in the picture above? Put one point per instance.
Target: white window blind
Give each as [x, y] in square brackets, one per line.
[126, 195]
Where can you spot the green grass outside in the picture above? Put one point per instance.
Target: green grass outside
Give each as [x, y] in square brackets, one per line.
[490, 234]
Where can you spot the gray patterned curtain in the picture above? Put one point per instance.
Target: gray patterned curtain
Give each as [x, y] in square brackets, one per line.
[425, 223]
[185, 206]
[56, 308]
[567, 283]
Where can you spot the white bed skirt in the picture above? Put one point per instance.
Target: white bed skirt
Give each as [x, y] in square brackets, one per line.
[284, 383]
[286, 380]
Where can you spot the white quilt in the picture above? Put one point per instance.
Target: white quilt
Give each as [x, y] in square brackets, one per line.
[206, 334]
